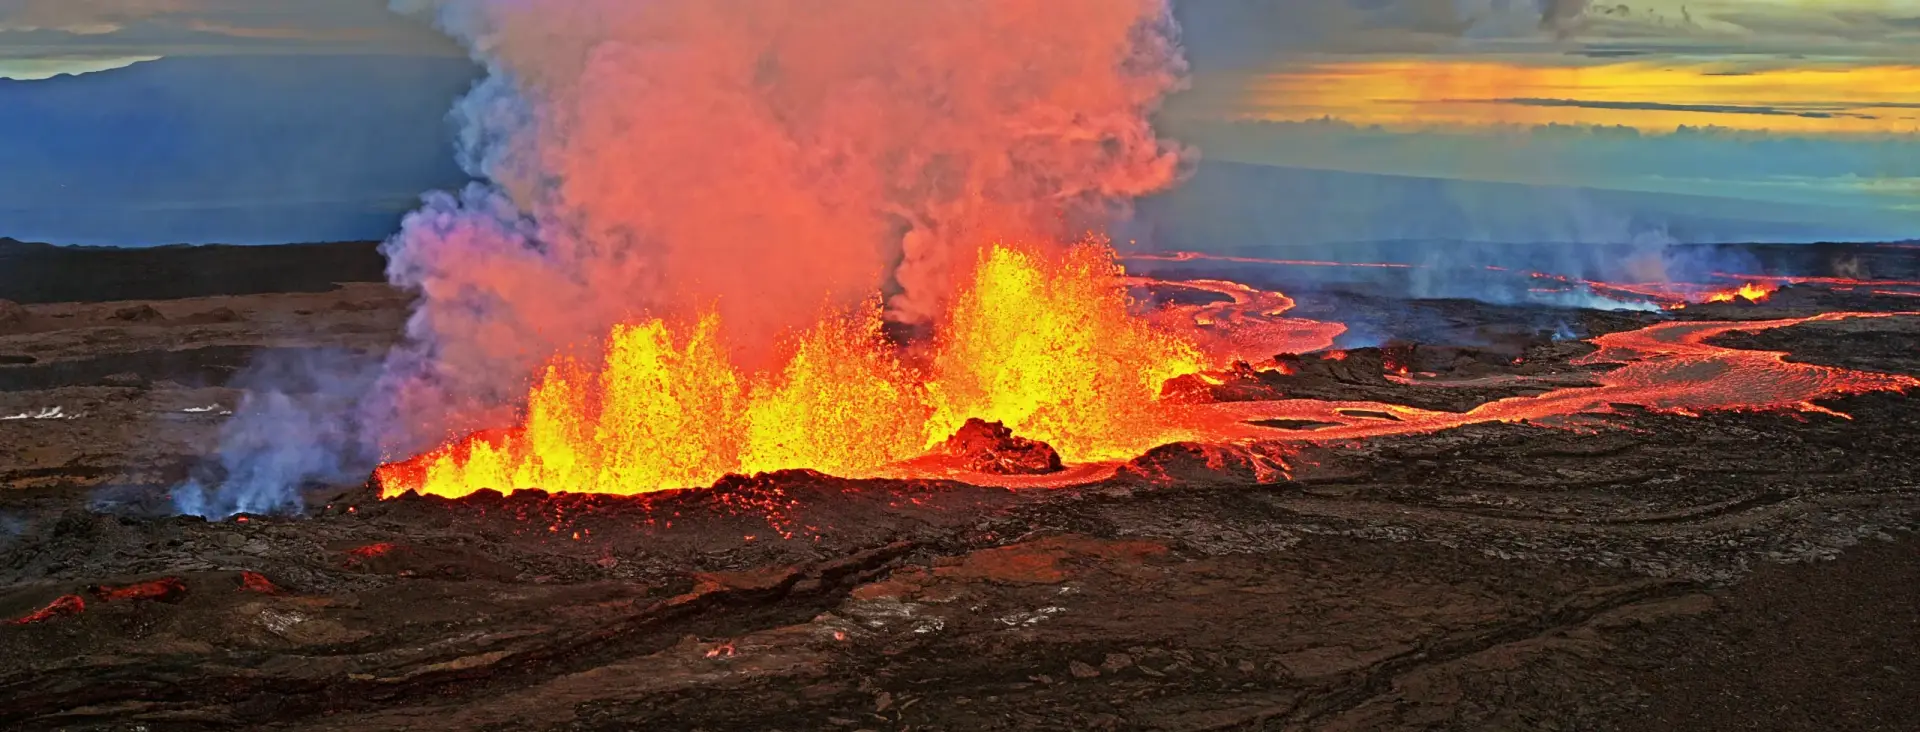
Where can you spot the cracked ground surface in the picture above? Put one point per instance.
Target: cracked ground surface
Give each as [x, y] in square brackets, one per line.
[1646, 571]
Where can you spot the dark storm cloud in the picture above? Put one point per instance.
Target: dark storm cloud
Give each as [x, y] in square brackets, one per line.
[1561, 16]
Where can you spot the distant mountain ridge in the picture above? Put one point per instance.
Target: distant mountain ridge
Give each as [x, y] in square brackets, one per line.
[32, 272]
[228, 148]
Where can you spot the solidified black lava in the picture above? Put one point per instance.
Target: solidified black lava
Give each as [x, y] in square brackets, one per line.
[990, 447]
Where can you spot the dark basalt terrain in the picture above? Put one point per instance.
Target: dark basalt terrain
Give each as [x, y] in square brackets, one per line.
[1734, 571]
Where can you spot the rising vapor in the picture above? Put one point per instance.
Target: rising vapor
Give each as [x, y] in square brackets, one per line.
[762, 158]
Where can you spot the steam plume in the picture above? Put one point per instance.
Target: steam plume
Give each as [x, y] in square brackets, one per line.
[767, 158]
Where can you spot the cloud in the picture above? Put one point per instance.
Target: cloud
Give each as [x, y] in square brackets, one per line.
[1871, 172]
[1852, 28]
[1650, 94]
[1664, 107]
[83, 17]
[1562, 16]
[31, 28]
[1226, 35]
[1243, 35]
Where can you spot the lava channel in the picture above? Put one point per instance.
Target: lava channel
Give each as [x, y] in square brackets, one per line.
[1667, 367]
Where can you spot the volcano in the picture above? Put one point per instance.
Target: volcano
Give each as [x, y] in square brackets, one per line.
[1405, 510]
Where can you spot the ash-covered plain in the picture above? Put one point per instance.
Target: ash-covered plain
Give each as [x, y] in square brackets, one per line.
[1632, 568]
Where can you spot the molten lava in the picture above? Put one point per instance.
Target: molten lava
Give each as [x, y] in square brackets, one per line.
[165, 588]
[61, 606]
[1050, 346]
[1052, 350]
[1047, 345]
[1750, 292]
[1247, 326]
[1668, 367]
[1204, 257]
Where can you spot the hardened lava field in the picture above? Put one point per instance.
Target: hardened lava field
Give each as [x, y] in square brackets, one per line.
[1444, 514]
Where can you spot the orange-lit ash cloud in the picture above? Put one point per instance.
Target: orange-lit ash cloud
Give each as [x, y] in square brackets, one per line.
[750, 160]
[1046, 343]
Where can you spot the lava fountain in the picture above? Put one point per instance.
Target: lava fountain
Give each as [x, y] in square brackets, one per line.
[1048, 344]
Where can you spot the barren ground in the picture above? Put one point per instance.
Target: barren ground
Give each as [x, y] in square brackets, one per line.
[1733, 571]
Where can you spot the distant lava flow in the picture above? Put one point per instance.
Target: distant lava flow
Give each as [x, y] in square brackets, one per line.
[1668, 367]
[1204, 257]
[1247, 325]
[1750, 288]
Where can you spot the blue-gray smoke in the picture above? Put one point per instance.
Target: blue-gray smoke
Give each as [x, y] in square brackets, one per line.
[301, 422]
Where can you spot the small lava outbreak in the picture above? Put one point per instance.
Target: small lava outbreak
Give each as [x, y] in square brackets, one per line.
[1750, 292]
[61, 606]
[160, 589]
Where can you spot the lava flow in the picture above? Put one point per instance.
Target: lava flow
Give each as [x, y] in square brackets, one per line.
[1051, 347]
[1047, 345]
[1247, 326]
[1668, 367]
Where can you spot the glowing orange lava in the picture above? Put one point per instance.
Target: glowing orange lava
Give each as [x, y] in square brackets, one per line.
[1046, 344]
[1204, 257]
[1667, 367]
[1248, 326]
[61, 606]
[163, 588]
[1750, 292]
[1051, 345]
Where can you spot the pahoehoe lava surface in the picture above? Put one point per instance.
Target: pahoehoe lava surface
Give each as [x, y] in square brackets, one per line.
[1634, 570]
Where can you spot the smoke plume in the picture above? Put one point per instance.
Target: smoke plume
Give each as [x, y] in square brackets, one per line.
[299, 422]
[767, 159]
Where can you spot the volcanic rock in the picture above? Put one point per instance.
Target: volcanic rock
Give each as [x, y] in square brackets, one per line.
[126, 380]
[990, 447]
[1358, 366]
[1194, 463]
[12, 314]
[138, 314]
[220, 315]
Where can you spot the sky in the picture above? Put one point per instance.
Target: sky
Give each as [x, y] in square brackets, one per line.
[1690, 120]
[139, 122]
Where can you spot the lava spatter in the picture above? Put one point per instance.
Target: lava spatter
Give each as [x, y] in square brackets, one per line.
[1045, 342]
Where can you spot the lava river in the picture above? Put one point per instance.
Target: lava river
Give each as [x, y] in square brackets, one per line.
[1668, 367]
